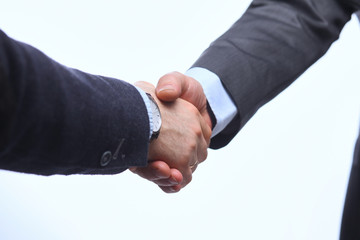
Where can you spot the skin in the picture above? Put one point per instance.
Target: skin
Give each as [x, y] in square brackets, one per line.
[177, 85]
[183, 140]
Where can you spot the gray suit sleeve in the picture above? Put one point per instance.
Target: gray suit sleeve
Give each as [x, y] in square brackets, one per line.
[58, 120]
[271, 45]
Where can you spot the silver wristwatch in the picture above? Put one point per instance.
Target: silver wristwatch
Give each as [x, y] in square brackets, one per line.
[156, 117]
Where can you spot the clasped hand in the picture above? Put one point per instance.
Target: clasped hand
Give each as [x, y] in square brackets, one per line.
[185, 132]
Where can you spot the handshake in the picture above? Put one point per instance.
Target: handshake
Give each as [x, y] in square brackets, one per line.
[185, 132]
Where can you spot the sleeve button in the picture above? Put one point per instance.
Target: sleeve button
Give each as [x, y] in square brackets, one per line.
[105, 159]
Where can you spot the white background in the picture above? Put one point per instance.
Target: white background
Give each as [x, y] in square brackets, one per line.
[283, 177]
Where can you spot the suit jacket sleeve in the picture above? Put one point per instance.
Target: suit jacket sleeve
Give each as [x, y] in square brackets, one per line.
[271, 45]
[58, 120]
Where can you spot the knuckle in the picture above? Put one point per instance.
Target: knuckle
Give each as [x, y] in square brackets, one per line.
[192, 146]
[198, 131]
[193, 110]
[205, 155]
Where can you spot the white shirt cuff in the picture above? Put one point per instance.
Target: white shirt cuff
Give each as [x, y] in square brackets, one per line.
[219, 100]
[148, 108]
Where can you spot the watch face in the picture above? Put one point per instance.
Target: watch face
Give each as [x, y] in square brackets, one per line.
[156, 117]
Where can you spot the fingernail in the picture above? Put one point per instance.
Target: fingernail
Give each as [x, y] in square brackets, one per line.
[168, 87]
[160, 174]
[173, 189]
[173, 180]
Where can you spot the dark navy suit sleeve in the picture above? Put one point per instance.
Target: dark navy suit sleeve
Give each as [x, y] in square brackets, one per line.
[271, 45]
[58, 120]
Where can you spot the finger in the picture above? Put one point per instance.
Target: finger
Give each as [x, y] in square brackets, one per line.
[193, 92]
[193, 167]
[154, 171]
[206, 116]
[173, 189]
[203, 141]
[174, 85]
[175, 178]
[166, 182]
[171, 86]
[187, 174]
[206, 130]
[202, 152]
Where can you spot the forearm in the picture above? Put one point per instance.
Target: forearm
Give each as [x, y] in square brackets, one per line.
[272, 44]
[58, 120]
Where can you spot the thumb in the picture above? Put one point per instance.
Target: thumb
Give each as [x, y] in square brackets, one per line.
[177, 85]
[171, 86]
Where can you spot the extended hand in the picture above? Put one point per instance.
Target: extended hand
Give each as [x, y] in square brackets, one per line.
[177, 85]
[182, 144]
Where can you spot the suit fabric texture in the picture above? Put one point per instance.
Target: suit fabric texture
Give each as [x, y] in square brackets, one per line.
[58, 120]
[271, 45]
